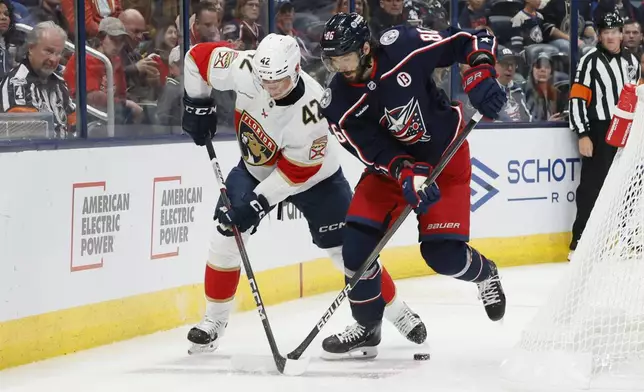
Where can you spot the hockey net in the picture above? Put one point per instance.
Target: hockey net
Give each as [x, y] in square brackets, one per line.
[589, 334]
[37, 125]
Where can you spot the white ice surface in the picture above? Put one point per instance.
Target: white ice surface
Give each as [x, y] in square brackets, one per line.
[466, 348]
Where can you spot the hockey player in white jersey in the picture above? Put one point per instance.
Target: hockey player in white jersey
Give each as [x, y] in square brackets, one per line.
[284, 156]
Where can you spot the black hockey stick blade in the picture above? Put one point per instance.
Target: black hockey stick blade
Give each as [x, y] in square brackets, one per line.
[373, 256]
[291, 367]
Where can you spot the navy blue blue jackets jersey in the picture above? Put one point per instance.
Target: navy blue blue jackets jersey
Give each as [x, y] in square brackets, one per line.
[399, 112]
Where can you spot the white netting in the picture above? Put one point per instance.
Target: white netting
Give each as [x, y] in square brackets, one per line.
[24, 129]
[26, 125]
[589, 334]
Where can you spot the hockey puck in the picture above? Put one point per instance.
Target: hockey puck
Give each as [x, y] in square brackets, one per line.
[421, 357]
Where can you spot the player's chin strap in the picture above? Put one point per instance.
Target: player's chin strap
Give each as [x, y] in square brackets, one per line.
[373, 256]
[284, 366]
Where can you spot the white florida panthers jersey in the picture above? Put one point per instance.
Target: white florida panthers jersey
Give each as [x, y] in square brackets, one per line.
[284, 147]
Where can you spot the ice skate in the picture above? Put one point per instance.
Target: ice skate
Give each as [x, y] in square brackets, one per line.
[206, 335]
[357, 341]
[492, 295]
[406, 321]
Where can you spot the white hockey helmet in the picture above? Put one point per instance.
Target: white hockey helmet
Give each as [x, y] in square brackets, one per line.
[277, 57]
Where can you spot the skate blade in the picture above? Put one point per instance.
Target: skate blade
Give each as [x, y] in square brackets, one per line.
[360, 353]
[202, 348]
[266, 364]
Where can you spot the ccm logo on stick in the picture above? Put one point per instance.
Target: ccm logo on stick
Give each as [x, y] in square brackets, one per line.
[332, 227]
[200, 111]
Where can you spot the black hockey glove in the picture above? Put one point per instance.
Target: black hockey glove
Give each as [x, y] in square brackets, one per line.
[245, 216]
[199, 119]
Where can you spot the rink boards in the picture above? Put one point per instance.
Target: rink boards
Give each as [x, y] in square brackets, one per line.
[103, 244]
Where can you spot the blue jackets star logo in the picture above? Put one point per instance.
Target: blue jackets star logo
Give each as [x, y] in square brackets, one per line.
[406, 123]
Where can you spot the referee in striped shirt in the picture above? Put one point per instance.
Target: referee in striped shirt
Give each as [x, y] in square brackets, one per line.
[601, 74]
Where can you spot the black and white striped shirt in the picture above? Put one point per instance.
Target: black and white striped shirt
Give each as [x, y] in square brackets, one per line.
[600, 77]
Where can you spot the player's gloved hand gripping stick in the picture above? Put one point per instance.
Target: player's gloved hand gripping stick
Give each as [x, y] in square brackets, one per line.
[447, 156]
[291, 367]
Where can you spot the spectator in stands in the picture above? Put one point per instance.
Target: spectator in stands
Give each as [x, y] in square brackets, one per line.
[389, 13]
[206, 24]
[633, 37]
[284, 19]
[95, 11]
[529, 27]
[424, 13]
[429, 14]
[49, 10]
[244, 30]
[506, 68]
[474, 15]
[362, 7]
[111, 37]
[34, 87]
[142, 73]
[166, 38]
[145, 9]
[623, 8]
[220, 5]
[9, 37]
[284, 25]
[557, 13]
[169, 109]
[542, 98]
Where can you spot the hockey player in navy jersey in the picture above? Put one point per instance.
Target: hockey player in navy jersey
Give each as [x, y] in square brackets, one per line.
[383, 107]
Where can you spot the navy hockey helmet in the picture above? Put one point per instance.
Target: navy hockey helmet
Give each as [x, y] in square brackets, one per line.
[610, 20]
[344, 33]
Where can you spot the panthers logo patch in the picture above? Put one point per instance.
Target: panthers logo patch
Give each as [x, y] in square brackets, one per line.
[257, 148]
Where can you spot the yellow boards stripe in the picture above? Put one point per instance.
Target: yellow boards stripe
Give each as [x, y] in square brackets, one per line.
[66, 331]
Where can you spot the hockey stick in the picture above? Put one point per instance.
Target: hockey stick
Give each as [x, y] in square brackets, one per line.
[445, 159]
[291, 367]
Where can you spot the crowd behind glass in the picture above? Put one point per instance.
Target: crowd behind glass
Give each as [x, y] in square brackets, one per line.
[141, 40]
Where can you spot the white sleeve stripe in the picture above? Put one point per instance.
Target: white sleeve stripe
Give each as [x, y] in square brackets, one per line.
[420, 50]
[577, 123]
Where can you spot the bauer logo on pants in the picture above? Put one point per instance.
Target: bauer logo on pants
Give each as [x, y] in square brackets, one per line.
[98, 219]
[173, 215]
